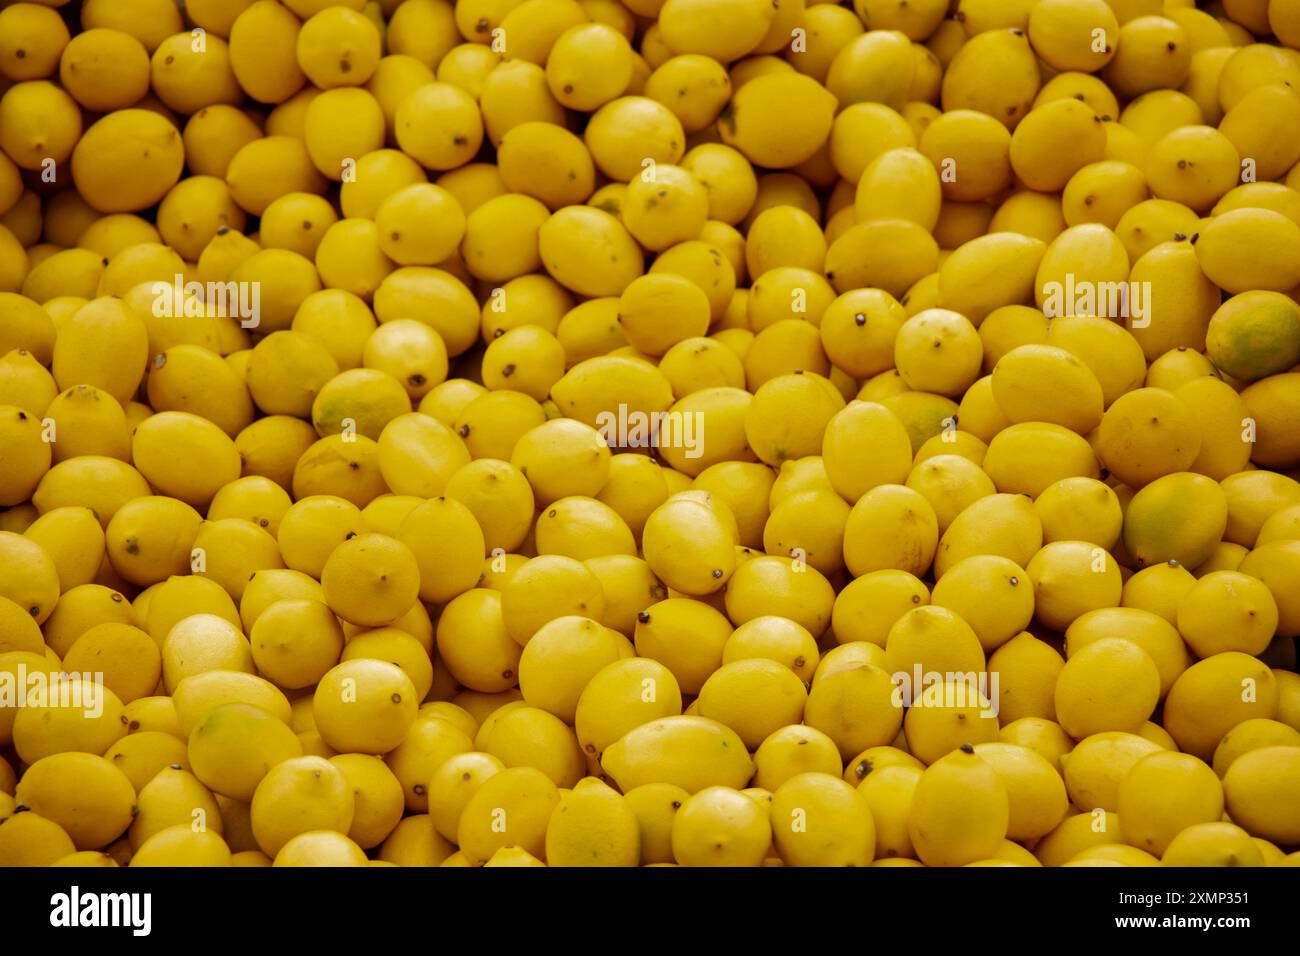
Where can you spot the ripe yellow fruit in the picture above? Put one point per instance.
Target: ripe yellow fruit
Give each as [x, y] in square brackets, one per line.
[546, 588]
[1227, 611]
[1164, 794]
[856, 708]
[819, 820]
[719, 826]
[1020, 387]
[1213, 696]
[364, 706]
[1179, 517]
[588, 65]
[300, 795]
[522, 798]
[236, 745]
[593, 826]
[1036, 795]
[1219, 251]
[199, 694]
[428, 742]
[807, 111]
[859, 426]
[692, 752]
[1080, 705]
[371, 580]
[1256, 788]
[951, 832]
[1003, 524]
[561, 658]
[338, 47]
[567, 244]
[1143, 628]
[182, 845]
[128, 160]
[658, 311]
[725, 30]
[754, 697]
[84, 794]
[320, 848]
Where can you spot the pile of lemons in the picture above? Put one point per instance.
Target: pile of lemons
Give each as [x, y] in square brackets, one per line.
[638, 432]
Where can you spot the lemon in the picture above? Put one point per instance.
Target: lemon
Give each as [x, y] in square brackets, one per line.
[946, 715]
[593, 826]
[774, 638]
[371, 580]
[754, 697]
[849, 468]
[143, 755]
[127, 657]
[888, 791]
[1252, 335]
[473, 642]
[1071, 578]
[855, 708]
[1212, 844]
[150, 539]
[513, 807]
[236, 745]
[689, 543]
[868, 606]
[84, 794]
[1027, 671]
[530, 736]
[819, 820]
[1218, 251]
[691, 752]
[655, 806]
[1035, 791]
[1227, 611]
[722, 29]
[320, 848]
[1213, 696]
[300, 795]
[1146, 629]
[719, 826]
[364, 706]
[295, 641]
[452, 785]
[1150, 426]
[116, 147]
[776, 585]
[1073, 400]
[74, 540]
[1248, 736]
[561, 658]
[1088, 695]
[172, 797]
[1256, 788]
[621, 696]
[181, 845]
[546, 588]
[1164, 794]
[992, 594]
[948, 832]
[196, 696]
